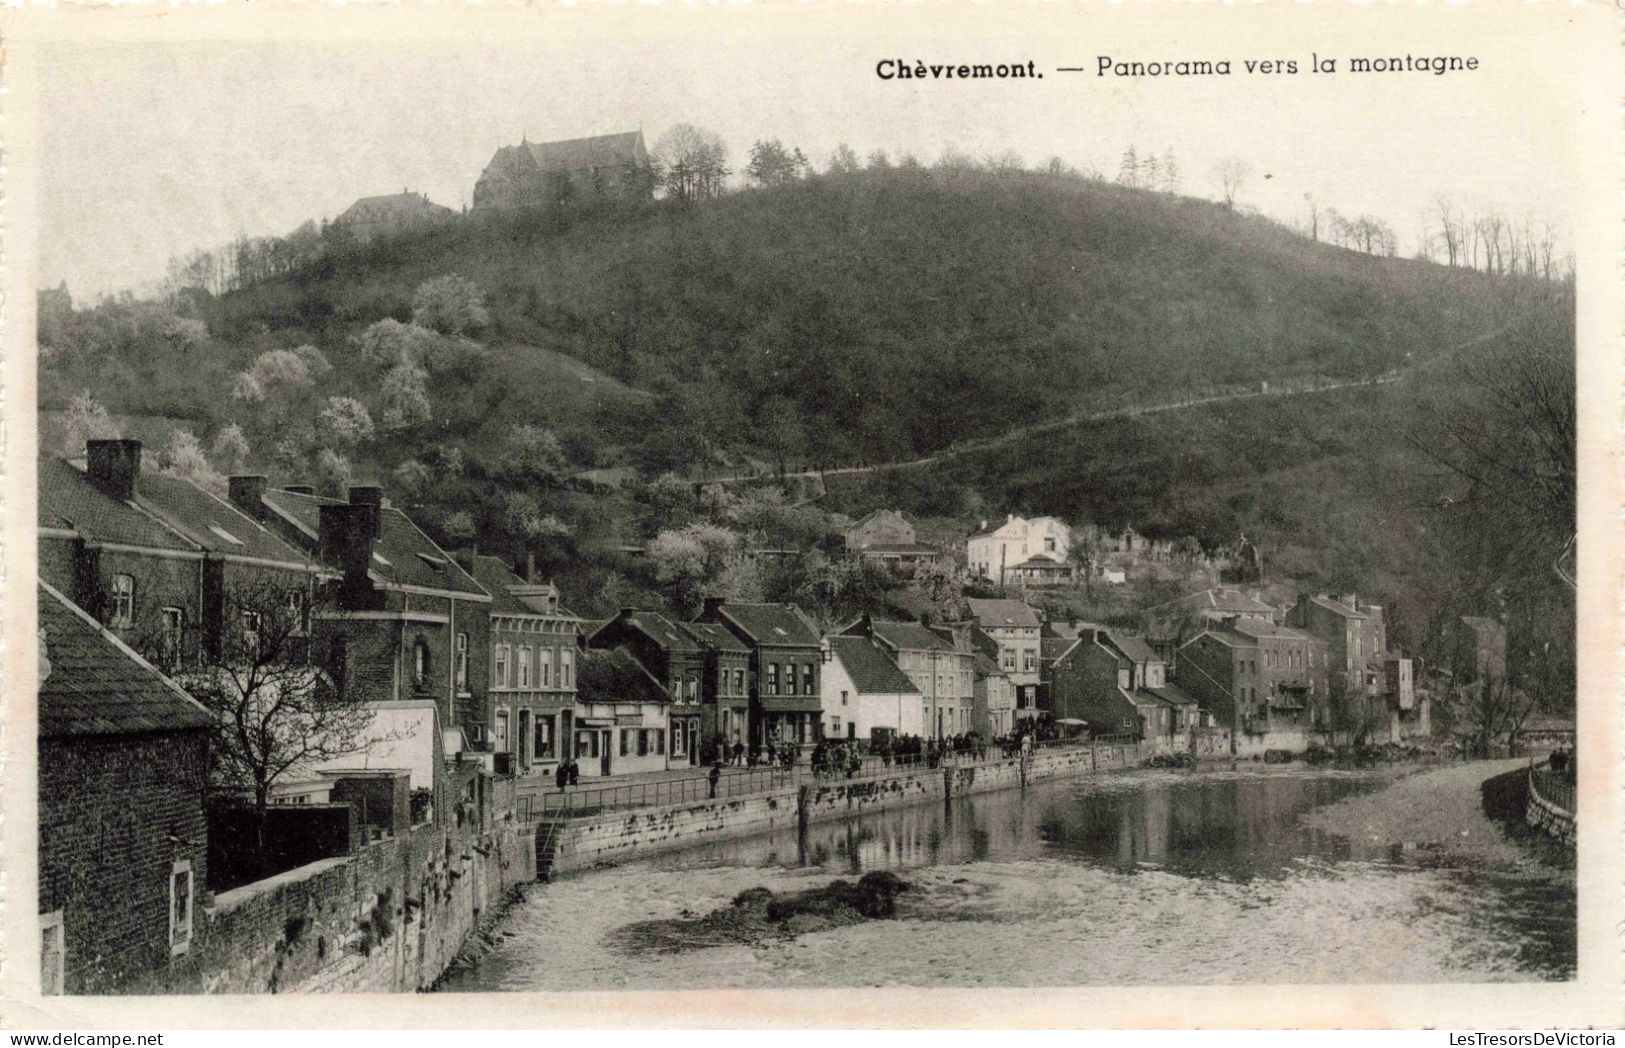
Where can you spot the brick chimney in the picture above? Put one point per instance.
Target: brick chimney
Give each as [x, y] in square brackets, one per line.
[347, 534]
[113, 466]
[713, 605]
[247, 493]
[372, 497]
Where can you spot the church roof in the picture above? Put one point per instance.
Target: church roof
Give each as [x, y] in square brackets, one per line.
[579, 154]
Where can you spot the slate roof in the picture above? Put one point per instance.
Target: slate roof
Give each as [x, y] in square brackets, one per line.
[98, 686]
[910, 636]
[392, 206]
[610, 675]
[664, 631]
[872, 670]
[211, 522]
[986, 667]
[1054, 647]
[578, 154]
[900, 549]
[1337, 606]
[404, 555]
[497, 579]
[1173, 695]
[67, 499]
[773, 623]
[1134, 647]
[994, 614]
[1040, 561]
[713, 635]
[1252, 627]
[1228, 637]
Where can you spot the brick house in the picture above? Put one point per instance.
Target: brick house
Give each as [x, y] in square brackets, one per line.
[1266, 683]
[993, 698]
[156, 559]
[1116, 684]
[376, 215]
[943, 671]
[123, 780]
[1170, 625]
[1370, 697]
[866, 695]
[724, 687]
[543, 174]
[1014, 625]
[524, 680]
[786, 658]
[404, 622]
[674, 657]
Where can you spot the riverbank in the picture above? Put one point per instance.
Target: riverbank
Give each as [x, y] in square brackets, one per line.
[1432, 816]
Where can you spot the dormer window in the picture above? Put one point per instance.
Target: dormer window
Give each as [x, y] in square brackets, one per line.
[226, 535]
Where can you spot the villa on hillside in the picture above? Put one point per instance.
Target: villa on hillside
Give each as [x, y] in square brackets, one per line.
[1020, 549]
[886, 537]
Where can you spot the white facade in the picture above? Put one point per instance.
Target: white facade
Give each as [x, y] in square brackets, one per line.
[849, 713]
[990, 552]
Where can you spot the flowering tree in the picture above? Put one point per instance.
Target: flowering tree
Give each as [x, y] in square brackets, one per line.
[450, 304]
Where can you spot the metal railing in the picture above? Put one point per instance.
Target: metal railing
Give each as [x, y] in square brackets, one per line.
[575, 801]
[1552, 787]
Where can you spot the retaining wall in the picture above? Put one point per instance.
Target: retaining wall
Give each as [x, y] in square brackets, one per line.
[1548, 816]
[567, 844]
[389, 917]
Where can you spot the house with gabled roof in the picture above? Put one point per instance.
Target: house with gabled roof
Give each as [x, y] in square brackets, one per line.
[886, 537]
[621, 714]
[161, 562]
[550, 174]
[942, 669]
[123, 830]
[1267, 683]
[992, 552]
[1110, 682]
[374, 215]
[673, 655]
[1015, 626]
[786, 662]
[403, 619]
[866, 695]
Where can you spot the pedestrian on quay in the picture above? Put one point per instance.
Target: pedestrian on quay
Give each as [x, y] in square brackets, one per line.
[561, 775]
[739, 752]
[575, 772]
[715, 777]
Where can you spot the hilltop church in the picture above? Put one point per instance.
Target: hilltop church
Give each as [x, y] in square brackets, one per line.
[533, 174]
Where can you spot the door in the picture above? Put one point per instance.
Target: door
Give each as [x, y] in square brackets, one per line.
[603, 751]
[694, 742]
[851, 729]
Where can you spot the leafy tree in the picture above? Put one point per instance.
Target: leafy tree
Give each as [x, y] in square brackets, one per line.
[183, 457]
[878, 161]
[844, 161]
[772, 164]
[532, 454]
[404, 394]
[85, 420]
[332, 474]
[345, 422]
[449, 304]
[459, 528]
[274, 373]
[231, 448]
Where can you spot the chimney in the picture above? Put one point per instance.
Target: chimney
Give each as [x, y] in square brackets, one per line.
[530, 565]
[712, 605]
[984, 523]
[299, 489]
[113, 466]
[347, 533]
[1350, 600]
[465, 558]
[247, 493]
[372, 497]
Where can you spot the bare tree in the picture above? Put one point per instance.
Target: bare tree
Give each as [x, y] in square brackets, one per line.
[1314, 216]
[275, 710]
[693, 162]
[1232, 173]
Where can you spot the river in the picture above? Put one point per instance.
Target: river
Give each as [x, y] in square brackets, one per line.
[1149, 877]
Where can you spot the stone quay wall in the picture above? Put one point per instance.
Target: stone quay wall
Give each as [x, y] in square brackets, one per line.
[1551, 814]
[390, 916]
[566, 844]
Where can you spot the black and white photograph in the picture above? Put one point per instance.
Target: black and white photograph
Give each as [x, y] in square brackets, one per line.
[872, 505]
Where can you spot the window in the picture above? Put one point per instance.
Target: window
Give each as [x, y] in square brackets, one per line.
[739, 682]
[789, 678]
[544, 738]
[420, 663]
[499, 674]
[1029, 661]
[499, 733]
[843, 703]
[180, 906]
[772, 679]
[658, 738]
[626, 741]
[251, 633]
[123, 597]
[693, 688]
[807, 685]
[523, 665]
[1007, 658]
[544, 664]
[173, 622]
[462, 662]
[835, 724]
[299, 610]
[567, 668]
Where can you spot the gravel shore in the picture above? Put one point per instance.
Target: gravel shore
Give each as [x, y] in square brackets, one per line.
[1436, 814]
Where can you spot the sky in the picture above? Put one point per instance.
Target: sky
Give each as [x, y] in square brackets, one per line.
[154, 144]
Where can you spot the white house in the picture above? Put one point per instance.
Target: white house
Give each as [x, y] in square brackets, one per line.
[865, 695]
[992, 552]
